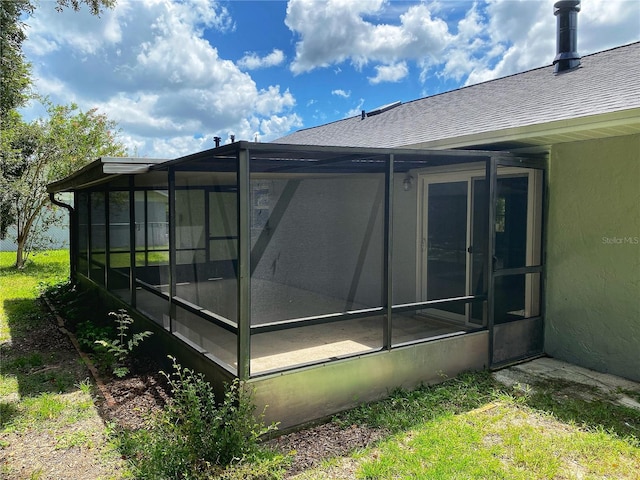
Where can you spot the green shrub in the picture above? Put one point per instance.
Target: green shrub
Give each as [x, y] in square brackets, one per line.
[89, 332]
[70, 302]
[195, 436]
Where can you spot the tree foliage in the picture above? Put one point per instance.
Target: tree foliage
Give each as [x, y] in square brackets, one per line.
[15, 71]
[96, 6]
[43, 151]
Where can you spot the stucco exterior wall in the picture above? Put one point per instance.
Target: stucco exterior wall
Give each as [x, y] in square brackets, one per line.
[593, 255]
[329, 240]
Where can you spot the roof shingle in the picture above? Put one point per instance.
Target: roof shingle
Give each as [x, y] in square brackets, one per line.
[606, 82]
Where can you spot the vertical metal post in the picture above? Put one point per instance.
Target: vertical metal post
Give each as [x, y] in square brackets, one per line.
[207, 225]
[244, 267]
[74, 239]
[107, 240]
[492, 186]
[543, 244]
[88, 204]
[132, 241]
[172, 246]
[388, 254]
[146, 228]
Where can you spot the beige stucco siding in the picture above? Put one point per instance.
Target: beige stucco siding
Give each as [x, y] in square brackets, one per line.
[593, 255]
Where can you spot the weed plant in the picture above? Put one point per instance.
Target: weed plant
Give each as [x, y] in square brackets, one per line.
[195, 436]
[122, 347]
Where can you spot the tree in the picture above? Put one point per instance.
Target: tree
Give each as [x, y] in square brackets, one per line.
[43, 151]
[15, 71]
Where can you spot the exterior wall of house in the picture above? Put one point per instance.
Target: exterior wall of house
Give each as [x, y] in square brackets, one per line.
[329, 241]
[405, 225]
[593, 255]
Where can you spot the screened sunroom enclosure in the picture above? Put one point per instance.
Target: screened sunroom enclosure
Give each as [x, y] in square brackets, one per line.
[330, 272]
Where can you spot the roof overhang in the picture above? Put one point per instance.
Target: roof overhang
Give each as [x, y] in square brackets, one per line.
[540, 136]
[102, 170]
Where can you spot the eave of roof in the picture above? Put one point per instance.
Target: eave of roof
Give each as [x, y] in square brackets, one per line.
[102, 170]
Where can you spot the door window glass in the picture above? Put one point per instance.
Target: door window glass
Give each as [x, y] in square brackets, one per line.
[447, 242]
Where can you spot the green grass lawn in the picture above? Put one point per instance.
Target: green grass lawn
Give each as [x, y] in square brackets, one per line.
[471, 427]
[18, 288]
[505, 440]
[48, 421]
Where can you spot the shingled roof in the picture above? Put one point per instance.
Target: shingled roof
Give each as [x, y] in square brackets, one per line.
[600, 98]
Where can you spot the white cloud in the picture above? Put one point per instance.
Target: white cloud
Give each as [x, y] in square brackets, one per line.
[252, 61]
[271, 100]
[148, 66]
[341, 93]
[346, 35]
[522, 33]
[357, 110]
[471, 25]
[494, 38]
[278, 125]
[389, 73]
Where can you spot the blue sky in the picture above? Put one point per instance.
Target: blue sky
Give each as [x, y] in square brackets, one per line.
[174, 74]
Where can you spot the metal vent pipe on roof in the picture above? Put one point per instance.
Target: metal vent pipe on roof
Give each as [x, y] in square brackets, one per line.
[567, 56]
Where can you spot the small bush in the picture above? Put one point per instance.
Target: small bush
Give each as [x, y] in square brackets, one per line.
[195, 436]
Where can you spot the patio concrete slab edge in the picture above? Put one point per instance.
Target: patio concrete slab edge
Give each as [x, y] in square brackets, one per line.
[545, 368]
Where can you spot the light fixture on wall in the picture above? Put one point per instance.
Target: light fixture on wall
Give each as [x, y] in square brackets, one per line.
[407, 183]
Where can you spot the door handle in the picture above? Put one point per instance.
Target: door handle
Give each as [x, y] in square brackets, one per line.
[470, 249]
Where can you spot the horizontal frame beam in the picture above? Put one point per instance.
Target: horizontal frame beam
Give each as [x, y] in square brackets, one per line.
[316, 320]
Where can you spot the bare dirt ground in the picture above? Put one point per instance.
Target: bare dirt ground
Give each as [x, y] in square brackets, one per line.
[44, 453]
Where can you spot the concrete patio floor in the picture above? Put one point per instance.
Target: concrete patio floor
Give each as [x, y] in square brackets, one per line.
[526, 374]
